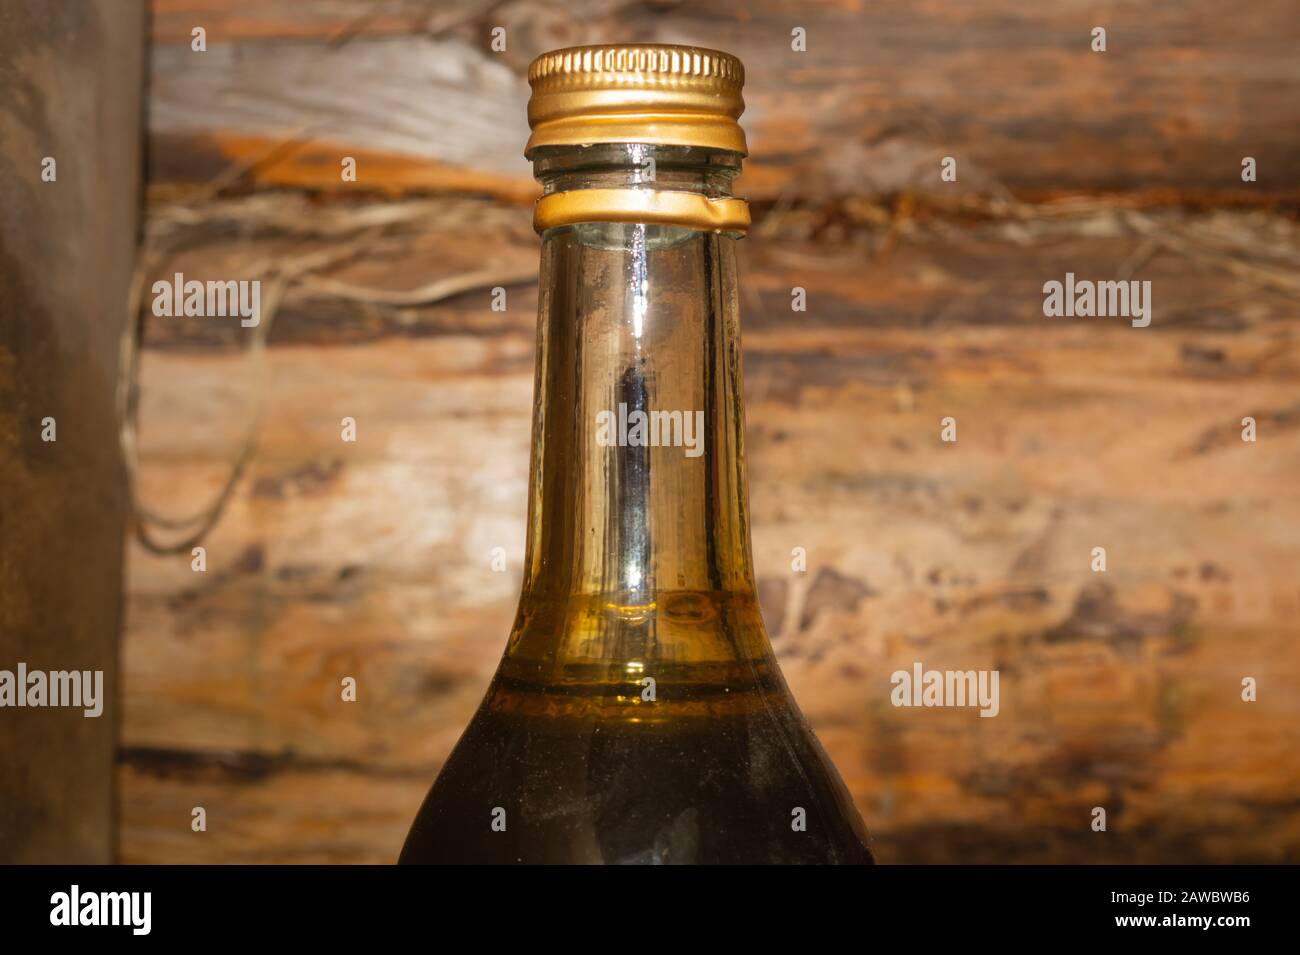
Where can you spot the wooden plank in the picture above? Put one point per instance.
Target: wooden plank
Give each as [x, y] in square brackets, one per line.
[173, 21]
[372, 559]
[353, 819]
[73, 82]
[1182, 93]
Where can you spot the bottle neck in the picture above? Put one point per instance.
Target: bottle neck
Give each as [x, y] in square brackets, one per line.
[637, 504]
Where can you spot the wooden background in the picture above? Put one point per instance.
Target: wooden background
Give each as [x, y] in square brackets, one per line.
[372, 559]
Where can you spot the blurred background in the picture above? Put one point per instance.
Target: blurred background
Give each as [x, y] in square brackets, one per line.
[374, 559]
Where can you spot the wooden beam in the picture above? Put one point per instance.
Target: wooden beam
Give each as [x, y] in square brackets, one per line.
[73, 76]
[885, 90]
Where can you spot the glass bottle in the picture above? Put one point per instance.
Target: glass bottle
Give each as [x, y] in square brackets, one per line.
[638, 714]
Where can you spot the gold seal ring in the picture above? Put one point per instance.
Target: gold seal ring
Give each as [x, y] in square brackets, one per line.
[650, 206]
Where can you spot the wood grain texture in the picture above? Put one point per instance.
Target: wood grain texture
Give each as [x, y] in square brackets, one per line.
[885, 90]
[73, 78]
[372, 559]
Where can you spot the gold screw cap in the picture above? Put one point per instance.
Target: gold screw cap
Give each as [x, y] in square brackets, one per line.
[636, 93]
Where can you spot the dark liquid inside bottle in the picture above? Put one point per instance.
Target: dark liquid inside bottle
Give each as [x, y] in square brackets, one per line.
[718, 772]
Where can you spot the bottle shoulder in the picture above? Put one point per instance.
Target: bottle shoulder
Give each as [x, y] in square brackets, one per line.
[740, 780]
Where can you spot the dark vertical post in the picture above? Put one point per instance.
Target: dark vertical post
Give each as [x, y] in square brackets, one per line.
[71, 87]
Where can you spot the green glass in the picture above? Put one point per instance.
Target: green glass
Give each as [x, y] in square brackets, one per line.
[638, 714]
